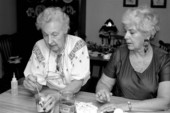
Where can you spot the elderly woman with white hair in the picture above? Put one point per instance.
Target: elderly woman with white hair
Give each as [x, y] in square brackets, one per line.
[59, 61]
[138, 70]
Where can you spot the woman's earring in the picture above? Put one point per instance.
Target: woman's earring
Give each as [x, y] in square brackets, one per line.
[146, 45]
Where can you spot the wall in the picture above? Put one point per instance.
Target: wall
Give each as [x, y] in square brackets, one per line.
[98, 11]
[8, 19]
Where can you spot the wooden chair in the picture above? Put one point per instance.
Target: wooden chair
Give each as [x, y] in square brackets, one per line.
[9, 53]
[165, 46]
[10, 60]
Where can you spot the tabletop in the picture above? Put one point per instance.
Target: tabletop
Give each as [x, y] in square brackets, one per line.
[24, 102]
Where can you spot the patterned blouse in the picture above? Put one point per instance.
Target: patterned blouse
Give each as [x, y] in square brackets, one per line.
[59, 70]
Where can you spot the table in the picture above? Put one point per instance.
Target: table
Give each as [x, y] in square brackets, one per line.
[25, 103]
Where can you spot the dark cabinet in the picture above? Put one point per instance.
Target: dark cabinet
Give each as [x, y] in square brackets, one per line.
[29, 9]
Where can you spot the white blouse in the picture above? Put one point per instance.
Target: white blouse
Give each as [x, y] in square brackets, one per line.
[74, 63]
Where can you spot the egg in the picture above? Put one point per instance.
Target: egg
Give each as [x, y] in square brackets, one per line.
[118, 110]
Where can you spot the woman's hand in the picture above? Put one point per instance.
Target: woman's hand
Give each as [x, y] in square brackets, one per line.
[31, 83]
[49, 103]
[107, 108]
[103, 96]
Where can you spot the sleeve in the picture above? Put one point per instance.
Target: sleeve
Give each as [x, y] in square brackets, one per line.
[80, 62]
[165, 69]
[112, 66]
[35, 65]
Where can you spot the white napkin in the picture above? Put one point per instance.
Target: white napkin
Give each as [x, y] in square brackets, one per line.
[85, 107]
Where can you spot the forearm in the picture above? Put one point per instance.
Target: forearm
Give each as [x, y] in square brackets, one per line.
[156, 104]
[101, 85]
[74, 86]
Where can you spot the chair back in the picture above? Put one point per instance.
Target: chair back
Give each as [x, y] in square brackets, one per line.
[6, 46]
[165, 46]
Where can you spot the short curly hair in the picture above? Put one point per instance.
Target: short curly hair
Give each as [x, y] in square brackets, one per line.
[53, 14]
[143, 18]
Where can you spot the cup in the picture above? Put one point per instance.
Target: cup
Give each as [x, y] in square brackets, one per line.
[67, 103]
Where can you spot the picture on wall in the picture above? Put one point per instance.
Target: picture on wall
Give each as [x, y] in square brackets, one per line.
[130, 3]
[158, 3]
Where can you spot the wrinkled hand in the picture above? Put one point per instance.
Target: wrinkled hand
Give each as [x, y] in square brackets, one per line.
[107, 108]
[50, 101]
[31, 83]
[103, 96]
